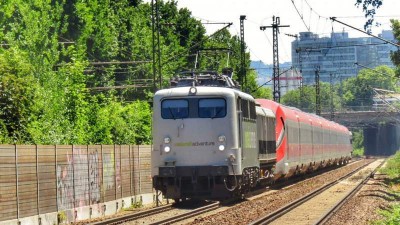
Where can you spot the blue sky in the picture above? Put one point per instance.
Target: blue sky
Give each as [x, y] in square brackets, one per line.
[315, 14]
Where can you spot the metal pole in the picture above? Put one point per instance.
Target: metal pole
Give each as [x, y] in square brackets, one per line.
[158, 45]
[153, 45]
[317, 93]
[73, 176]
[242, 53]
[55, 170]
[140, 174]
[115, 172]
[131, 169]
[332, 106]
[102, 172]
[17, 177]
[120, 171]
[88, 169]
[275, 30]
[37, 180]
[277, 91]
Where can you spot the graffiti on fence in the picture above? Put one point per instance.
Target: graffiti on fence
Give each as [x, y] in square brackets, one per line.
[109, 171]
[65, 189]
[81, 177]
[75, 183]
[94, 178]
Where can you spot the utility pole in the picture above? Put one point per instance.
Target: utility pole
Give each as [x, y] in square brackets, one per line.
[332, 106]
[242, 54]
[155, 25]
[275, 29]
[317, 93]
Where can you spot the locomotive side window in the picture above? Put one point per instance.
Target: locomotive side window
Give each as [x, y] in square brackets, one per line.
[253, 110]
[245, 108]
[174, 109]
[212, 108]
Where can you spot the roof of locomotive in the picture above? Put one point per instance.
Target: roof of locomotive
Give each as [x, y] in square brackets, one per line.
[201, 91]
[292, 113]
[203, 83]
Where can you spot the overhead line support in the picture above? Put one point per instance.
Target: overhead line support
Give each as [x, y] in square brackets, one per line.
[317, 93]
[242, 54]
[275, 30]
[155, 25]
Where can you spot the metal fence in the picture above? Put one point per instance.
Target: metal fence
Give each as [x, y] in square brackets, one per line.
[38, 179]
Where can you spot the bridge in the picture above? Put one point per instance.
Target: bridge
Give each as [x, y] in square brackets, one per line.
[381, 126]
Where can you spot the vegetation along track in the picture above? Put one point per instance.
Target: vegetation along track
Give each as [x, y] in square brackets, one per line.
[284, 213]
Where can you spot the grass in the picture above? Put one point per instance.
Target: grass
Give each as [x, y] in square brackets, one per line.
[358, 152]
[391, 216]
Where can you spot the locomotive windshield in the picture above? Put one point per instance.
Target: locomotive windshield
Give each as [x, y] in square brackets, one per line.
[212, 108]
[199, 108]
[175, 109]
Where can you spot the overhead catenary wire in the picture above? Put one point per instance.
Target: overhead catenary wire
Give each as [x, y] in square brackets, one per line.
[382, 39]
[301, 15]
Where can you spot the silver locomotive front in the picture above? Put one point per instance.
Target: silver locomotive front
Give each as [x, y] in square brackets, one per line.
[195, 139]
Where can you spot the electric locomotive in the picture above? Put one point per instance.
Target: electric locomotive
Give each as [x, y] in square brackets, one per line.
[205, 138]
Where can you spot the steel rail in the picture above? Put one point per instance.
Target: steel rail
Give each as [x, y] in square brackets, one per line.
[290, 206]
[187, 215]
[346, 198]
[134, 216]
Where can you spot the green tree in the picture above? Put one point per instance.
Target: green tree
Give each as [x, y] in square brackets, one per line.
[395, 56]
[59, 53]
[17, 87]
[369, 8]
[358, 142]
[304, 98]
[358, 91]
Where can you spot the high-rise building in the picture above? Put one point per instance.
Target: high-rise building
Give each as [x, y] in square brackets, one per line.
[338, 54]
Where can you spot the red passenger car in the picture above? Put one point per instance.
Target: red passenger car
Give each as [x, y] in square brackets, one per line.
[306, 141]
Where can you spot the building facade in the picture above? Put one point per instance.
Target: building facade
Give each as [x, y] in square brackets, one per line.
[336, 55]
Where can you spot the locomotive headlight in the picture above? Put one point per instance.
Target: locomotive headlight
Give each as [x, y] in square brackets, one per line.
[167, 140]
[221, 138]
[167, 149]
[192, 91]
[221, 147]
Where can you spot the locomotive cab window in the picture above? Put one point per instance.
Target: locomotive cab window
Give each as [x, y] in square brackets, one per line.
[212, 108]
[174, 109]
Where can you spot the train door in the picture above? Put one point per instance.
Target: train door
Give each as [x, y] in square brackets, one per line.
[248, 132]
[312, 141]
[300, 142]
[240, 124]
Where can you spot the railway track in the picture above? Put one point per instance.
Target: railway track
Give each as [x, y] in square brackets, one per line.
[181, 216]
[323, 219]
[274, 217]
[134, 216]
[187, 215]
[158, 211]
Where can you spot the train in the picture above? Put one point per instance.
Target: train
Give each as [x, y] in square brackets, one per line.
[213, 141]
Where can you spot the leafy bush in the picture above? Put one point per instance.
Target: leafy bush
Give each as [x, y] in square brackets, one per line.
[358, 152]
[391, 216]
[116, 123]
[392, 168]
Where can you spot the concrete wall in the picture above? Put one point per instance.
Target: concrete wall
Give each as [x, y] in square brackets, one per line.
[382, 140]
